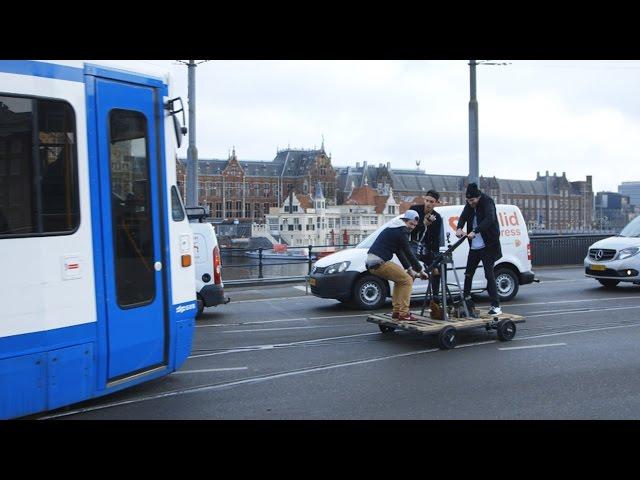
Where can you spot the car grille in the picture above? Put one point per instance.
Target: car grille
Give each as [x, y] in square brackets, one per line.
[606, 254]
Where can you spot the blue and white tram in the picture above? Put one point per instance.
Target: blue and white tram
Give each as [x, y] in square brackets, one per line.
[97, 289]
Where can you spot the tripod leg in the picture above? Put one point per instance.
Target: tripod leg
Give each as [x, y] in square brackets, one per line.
[427, 294]
[464, 301]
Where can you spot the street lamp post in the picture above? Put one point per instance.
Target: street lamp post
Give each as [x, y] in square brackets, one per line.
[473, 126]
[474, 168]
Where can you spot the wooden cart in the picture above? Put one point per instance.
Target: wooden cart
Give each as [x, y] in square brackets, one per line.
[504, 324]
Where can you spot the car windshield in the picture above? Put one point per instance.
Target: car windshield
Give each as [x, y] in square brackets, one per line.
[632, 229]
[367, 242]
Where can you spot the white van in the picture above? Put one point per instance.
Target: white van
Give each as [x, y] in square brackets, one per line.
[615, 259]
[344, 277]
[206, 253]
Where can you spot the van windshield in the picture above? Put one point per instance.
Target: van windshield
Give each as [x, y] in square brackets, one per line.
[367, 242]
[632, 229]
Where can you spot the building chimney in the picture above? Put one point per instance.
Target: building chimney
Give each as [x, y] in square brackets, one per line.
[547, 173]
[357, 164]
[564, 174]
[388, 165]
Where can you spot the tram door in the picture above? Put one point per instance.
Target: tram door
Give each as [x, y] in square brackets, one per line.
[130, 198]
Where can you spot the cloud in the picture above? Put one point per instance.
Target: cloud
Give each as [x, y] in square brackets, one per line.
[576, 117]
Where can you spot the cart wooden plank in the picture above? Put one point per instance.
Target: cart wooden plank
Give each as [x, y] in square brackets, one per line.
[428, 325]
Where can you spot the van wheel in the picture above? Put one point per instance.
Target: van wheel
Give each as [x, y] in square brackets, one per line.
[369, 293]
[609, 283]
[200, 303]
[507, 284]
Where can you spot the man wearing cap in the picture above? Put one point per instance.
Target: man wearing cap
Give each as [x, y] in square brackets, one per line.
[429, 234]
[395, 239]
[483, 231]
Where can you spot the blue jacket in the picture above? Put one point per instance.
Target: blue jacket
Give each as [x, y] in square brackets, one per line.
[395, 239]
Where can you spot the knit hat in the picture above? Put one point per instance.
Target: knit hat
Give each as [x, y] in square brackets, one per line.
[472, 191]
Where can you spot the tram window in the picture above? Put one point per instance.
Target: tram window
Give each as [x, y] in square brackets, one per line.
[132, 221]
[38, 167]
[177, 209]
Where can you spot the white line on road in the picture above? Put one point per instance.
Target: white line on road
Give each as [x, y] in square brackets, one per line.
[590, 310]
[282, 320]
[300, 287]
[245, 381]
[288, 328]
[533, 346]
[279, 345]
[573, 301]
[210, 370]
[576, 331]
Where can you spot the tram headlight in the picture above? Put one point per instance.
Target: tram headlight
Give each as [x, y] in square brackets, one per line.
[337, 268]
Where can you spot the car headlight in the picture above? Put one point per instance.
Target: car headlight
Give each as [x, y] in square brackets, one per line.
[337, 268]
[627, 252]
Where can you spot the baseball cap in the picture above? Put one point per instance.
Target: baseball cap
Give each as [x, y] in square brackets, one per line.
[411, 215]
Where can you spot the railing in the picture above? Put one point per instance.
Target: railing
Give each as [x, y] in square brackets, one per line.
[238, 268]
[545, 250]
[561, 249]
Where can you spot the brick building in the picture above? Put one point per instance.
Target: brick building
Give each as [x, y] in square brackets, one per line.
[549, 201]
[246, 189]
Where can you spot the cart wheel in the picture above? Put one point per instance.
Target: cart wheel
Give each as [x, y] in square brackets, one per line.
[447, 338]
[506, 330]
[385, 329]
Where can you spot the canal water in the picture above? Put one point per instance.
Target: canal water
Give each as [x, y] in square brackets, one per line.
[238, 267]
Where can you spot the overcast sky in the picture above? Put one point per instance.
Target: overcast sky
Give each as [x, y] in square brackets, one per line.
[578, 117]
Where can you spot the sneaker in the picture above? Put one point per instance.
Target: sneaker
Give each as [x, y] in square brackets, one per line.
[407, 318]
[495, 311]
[395, 315]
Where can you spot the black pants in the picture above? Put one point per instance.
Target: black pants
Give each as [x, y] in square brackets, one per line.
[488, 258]
[427, 258]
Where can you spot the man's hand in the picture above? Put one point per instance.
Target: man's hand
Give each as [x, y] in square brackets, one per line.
[471, 235]
[459, 233]
[423, 275]
[435, 271]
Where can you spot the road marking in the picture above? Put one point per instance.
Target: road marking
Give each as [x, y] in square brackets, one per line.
[265, 378]
[300, 287]
[296, 372]
[282, 320]
[288, 328]
[274, 299]
[576, 331]
[573, 301]
[209, 370]
[565, 312]
[533, 346]
[251, 348]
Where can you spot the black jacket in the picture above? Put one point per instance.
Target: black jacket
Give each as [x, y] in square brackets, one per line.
[434, 238]
[395, 240]
[488, 225]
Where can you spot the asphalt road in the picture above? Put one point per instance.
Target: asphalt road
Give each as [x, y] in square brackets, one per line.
[276, 353]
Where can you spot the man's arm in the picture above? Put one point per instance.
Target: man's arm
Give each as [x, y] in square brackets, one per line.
[410, 258]
[464, 216]
[490, 215]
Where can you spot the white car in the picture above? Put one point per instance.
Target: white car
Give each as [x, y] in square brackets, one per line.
[344, 277]
[206, 253]
[615, 259]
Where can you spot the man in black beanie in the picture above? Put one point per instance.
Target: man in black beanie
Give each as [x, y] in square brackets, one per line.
[483, 231]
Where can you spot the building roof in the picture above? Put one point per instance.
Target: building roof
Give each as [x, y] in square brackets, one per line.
[287, 163]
